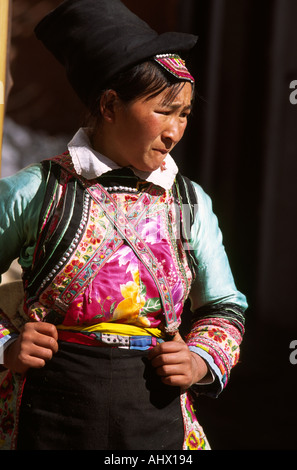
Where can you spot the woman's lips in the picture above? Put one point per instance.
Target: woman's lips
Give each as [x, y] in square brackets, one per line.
[162, 151]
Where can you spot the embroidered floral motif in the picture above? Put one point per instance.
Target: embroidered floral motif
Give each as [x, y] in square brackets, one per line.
[9, 394]
[220, 342]
[217, 335]
[6, 389]
[74, 266]
[194, 442]
[128, 310]
[93, 235]
[195, 438]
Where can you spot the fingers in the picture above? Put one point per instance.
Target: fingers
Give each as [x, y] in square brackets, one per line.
[42, 335]
[35, 345]
[169, 347]
[164, 358]
[45, 328]
[176, 364]
[172, 361]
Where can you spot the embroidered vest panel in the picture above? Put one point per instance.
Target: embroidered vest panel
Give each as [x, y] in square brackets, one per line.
[85, 272]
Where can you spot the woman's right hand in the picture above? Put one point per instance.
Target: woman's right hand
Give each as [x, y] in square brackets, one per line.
[36, 344]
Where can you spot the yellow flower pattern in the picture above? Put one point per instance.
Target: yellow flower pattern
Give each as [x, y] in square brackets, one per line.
[130, 308]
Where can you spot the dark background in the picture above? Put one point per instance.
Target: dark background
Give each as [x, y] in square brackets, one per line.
[241, 146]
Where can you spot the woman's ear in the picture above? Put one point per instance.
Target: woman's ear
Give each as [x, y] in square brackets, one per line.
[108, 105]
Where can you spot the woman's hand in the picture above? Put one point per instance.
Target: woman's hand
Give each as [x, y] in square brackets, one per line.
[36, 344]
[176, 364]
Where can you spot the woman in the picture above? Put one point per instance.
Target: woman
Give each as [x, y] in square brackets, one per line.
[111, 249]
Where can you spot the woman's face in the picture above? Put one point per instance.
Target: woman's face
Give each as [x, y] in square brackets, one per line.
[142, 133]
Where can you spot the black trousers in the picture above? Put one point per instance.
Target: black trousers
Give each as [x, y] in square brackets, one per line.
[93, 398]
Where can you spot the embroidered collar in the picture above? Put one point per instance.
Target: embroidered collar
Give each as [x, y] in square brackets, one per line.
[91, 164]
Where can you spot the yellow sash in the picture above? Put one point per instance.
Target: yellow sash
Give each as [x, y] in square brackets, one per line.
[115, 329]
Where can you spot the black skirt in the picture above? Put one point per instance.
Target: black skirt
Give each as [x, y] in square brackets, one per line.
[93, 398]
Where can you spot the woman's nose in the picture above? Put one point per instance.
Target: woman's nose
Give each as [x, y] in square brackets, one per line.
[173, 133]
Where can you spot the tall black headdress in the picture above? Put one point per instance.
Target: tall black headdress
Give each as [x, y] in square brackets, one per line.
[96, 39]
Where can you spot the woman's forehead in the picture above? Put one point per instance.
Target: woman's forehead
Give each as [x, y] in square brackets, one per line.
[181, 96]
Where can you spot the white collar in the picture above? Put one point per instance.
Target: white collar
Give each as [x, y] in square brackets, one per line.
[91, 164]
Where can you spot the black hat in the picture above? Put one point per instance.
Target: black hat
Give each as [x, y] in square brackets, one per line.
[96, 39]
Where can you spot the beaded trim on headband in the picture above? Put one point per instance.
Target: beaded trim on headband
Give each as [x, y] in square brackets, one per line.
[175, 65]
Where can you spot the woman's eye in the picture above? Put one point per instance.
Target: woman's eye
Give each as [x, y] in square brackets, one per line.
[168, 112]
[164, 112]
[186, 114]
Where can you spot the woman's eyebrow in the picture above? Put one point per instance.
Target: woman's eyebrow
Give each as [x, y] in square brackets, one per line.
[175, 106]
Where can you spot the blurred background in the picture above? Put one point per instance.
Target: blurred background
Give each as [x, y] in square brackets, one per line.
[241, 146]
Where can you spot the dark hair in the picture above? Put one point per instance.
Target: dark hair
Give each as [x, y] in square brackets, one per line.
[147, 79]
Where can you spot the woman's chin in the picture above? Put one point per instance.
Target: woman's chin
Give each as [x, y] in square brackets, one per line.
[150, 167]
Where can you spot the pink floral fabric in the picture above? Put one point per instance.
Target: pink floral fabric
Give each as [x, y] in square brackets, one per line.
[105, 281]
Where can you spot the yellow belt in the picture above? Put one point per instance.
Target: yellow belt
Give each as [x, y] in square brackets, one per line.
[115, 329]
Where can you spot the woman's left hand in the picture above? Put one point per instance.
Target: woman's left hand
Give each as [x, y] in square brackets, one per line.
[176, 364]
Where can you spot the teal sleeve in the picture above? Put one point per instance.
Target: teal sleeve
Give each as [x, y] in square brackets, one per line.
[21, 198]
[214, 281]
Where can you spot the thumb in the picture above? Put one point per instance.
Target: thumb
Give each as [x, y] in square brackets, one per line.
[177, 337]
